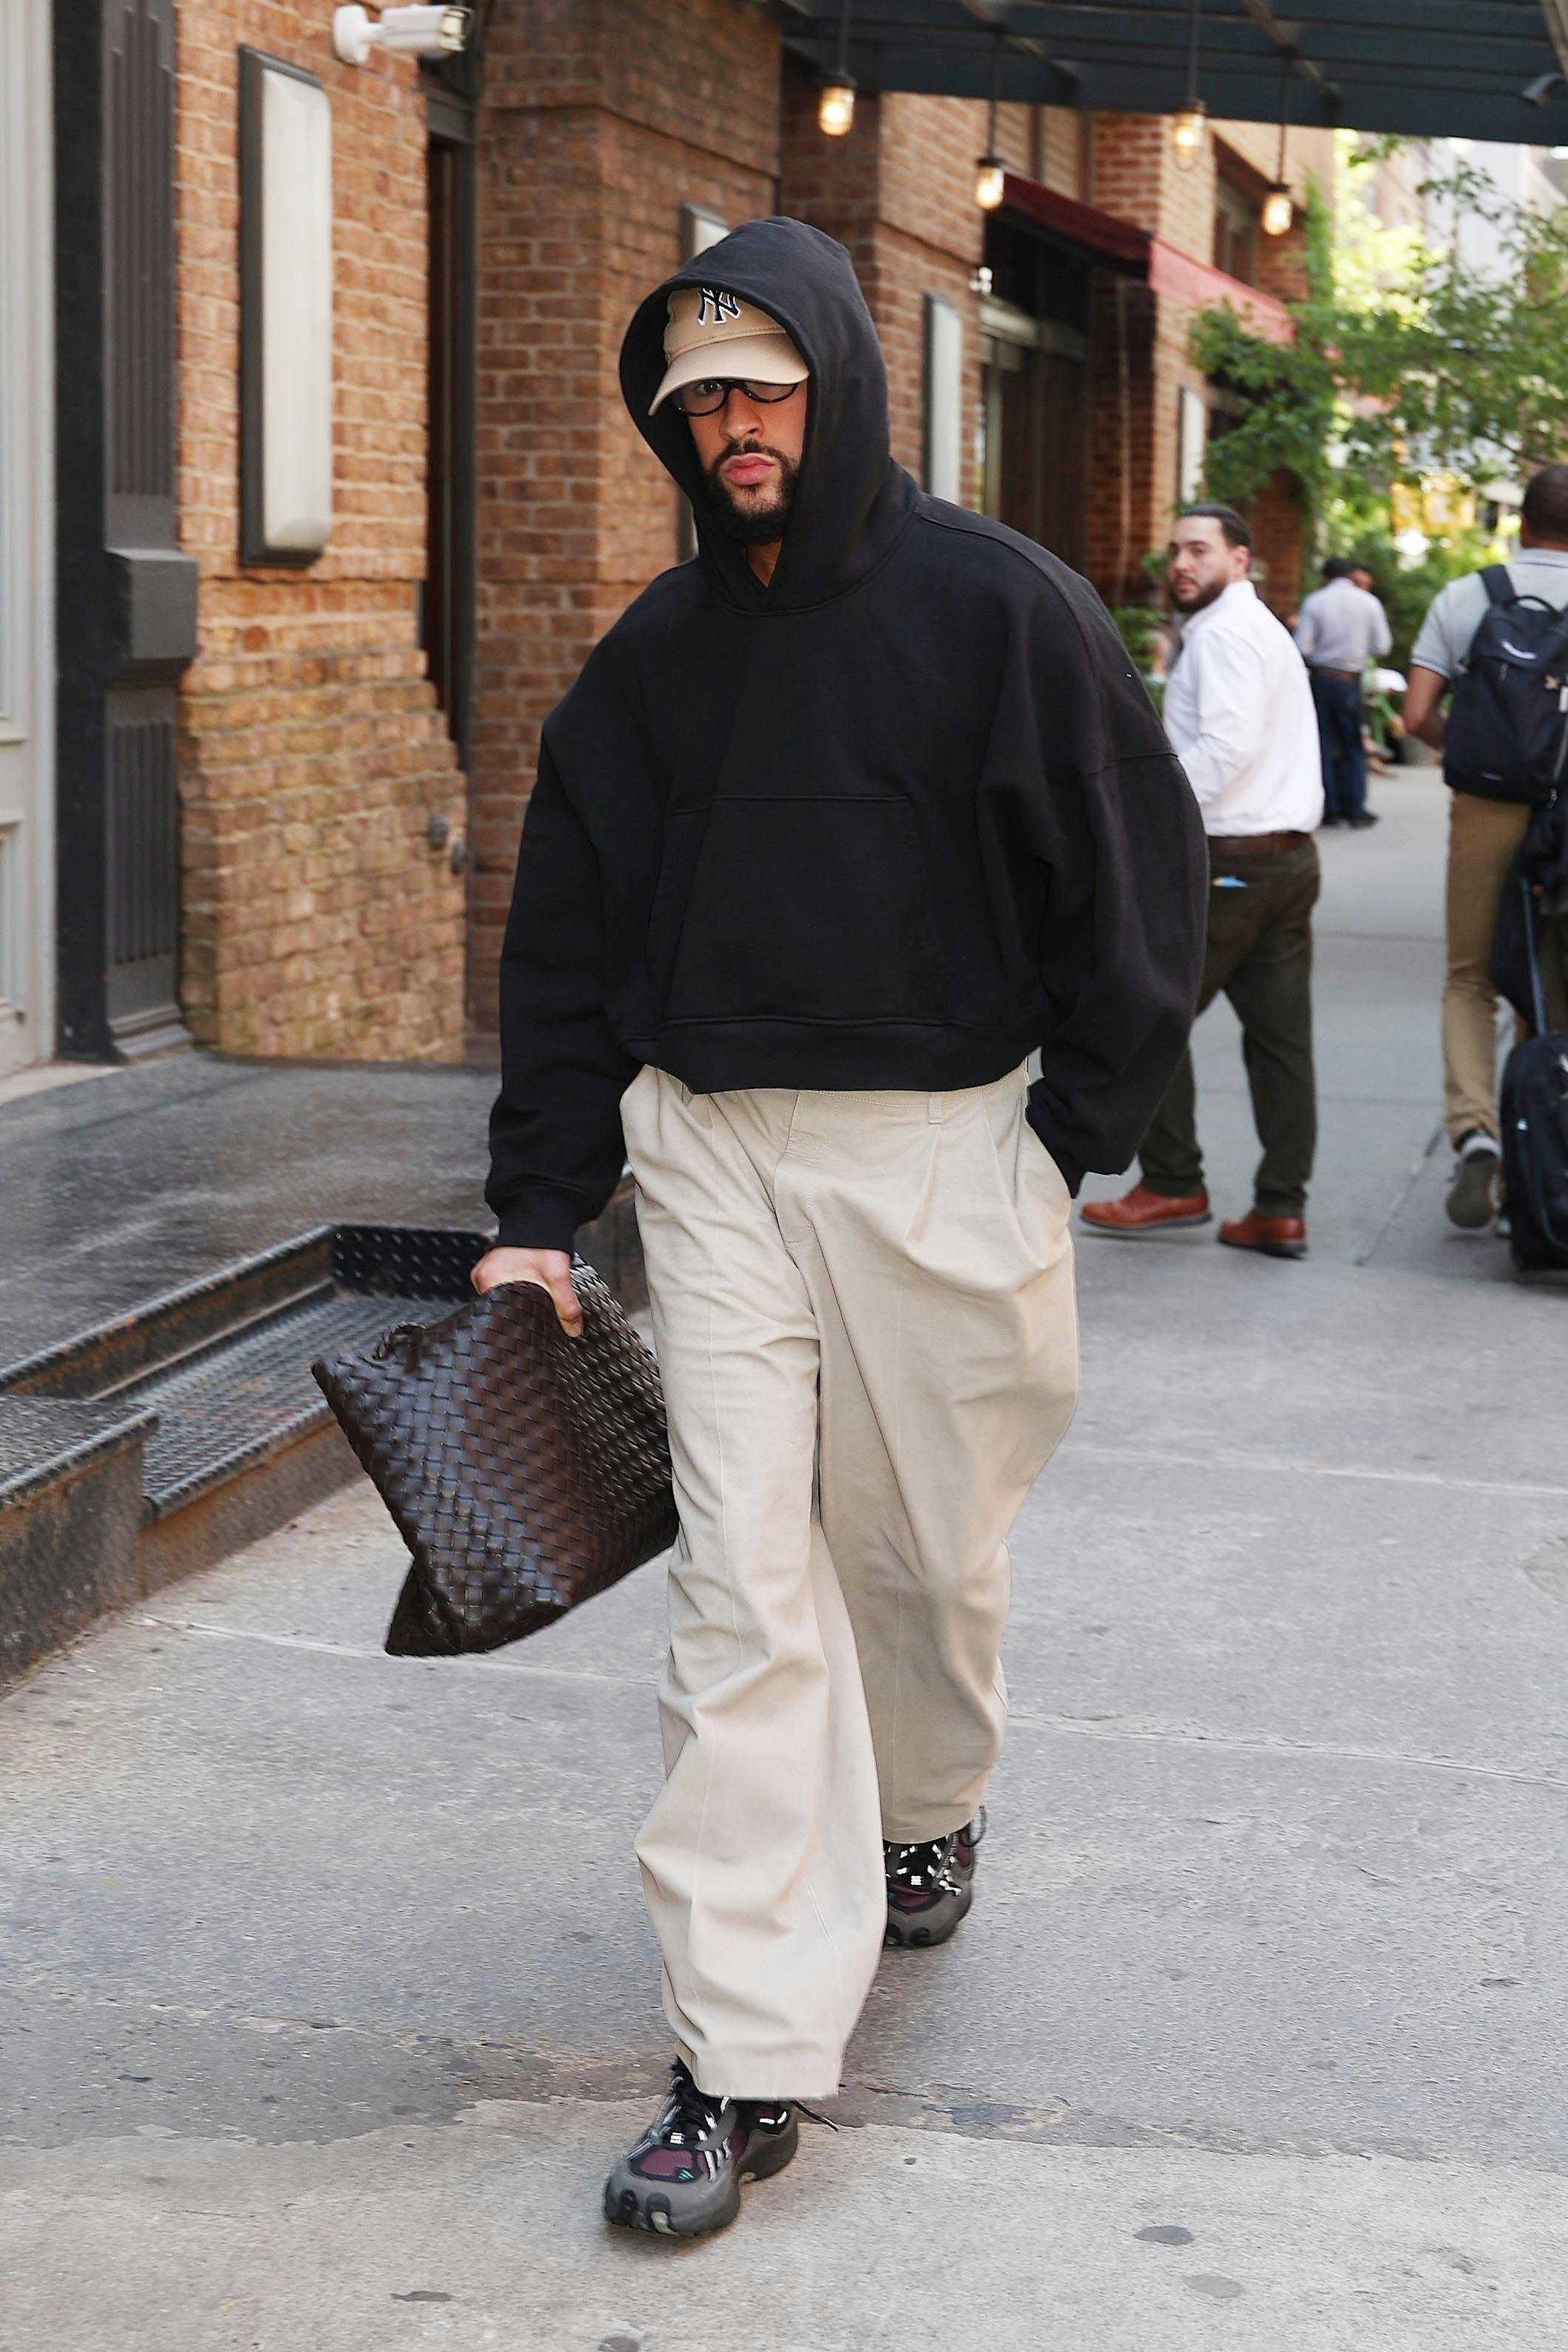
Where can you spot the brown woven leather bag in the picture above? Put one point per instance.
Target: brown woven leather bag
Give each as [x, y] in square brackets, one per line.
[525, 1471]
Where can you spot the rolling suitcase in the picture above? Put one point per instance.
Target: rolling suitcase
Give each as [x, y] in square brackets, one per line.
[1534, 1122]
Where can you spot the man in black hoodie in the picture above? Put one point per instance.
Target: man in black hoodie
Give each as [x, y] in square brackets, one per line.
[843, 820]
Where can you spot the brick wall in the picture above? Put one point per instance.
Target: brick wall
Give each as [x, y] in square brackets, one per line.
[317, 919]
[1133, 436]
[899, 192]
[1275, 516]
[601, 119]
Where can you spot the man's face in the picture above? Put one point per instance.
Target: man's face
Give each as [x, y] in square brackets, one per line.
[749, 451]
[1201, 562]
[1360, 576]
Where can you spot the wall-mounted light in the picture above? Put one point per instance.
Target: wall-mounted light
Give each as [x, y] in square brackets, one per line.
[990, 171]
[437, 32]
[1189, 123]
[1278, 207]
[836, 100]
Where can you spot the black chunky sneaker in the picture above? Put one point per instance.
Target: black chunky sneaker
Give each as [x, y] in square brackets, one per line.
[930, 1886]
[684, 2175]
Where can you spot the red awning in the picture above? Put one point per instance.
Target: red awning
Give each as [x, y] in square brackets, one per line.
[1164, 270]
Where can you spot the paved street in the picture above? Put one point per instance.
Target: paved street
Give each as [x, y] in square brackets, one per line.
[328, 1996]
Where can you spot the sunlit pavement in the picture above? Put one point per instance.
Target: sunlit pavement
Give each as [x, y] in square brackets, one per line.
[328, 1997]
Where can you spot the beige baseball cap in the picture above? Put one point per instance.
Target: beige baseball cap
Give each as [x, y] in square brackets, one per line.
[714, 333]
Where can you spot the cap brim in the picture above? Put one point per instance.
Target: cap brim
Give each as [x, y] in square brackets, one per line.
[766, 359]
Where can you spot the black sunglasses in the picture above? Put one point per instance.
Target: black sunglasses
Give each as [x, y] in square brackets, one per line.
[705, 399]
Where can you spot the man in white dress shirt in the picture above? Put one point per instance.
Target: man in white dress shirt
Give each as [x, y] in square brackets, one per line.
[1238, 711]
[1342, 628]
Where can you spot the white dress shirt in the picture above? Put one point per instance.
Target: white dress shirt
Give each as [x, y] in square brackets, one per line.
[1238, 711]
[1342, 628]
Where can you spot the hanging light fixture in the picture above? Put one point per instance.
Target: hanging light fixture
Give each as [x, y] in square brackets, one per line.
[990, 171]
[1188, 125]
[836, 100]
[1278, 208]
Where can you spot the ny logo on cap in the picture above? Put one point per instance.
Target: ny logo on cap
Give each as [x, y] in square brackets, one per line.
[713, 308]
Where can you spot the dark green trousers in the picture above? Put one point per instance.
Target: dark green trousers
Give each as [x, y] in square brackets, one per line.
[1261, 953]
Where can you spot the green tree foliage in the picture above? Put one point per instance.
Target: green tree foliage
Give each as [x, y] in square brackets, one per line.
[1411, 358]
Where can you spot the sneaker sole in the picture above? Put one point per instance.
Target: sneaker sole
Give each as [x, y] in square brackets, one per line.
[628, 2210]
[1145, 1232]
[913, 1934]
[1469, 1203]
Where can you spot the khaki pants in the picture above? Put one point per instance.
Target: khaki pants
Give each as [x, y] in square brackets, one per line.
[863, 1308]
[1482, 838]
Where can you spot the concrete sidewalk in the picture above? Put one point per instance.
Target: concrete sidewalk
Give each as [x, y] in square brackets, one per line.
[327, 1994]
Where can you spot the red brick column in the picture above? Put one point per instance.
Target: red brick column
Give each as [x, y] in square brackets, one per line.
[317, 919]
[601, 119]
[899, 192]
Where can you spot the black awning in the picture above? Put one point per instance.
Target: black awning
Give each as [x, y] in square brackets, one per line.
[1432, 68]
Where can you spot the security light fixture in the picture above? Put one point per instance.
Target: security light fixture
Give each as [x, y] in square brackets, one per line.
[990, 171]
[1278, 208]
[401, 32]
[835, 100]
[1188, 125]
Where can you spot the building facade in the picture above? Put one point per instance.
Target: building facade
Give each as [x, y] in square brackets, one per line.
[291, 589]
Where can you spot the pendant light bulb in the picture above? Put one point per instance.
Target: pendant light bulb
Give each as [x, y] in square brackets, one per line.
[836, 106]
[835, 100]
[1278, 211]
[990, 172]
[1187, 129]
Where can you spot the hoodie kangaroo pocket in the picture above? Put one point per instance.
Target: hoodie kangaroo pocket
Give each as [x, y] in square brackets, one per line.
[807, 910]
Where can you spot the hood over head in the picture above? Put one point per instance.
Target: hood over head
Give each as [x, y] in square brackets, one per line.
[851, 501]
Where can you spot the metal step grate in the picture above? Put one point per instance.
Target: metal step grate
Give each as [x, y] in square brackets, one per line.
[241, 1400]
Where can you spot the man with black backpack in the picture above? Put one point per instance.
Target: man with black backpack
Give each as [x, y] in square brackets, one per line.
[1500, 638]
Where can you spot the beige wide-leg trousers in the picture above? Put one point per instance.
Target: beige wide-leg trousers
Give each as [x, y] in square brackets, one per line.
[864, 1314]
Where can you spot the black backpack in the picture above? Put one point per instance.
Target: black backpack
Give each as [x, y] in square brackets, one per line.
[1534, 1120]
[1508, 723]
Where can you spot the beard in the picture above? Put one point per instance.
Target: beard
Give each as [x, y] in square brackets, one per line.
[1195, 599]
[756, 522]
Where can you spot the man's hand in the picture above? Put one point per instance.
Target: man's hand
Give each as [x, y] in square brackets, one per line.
[552, 1269]
[1424, 715]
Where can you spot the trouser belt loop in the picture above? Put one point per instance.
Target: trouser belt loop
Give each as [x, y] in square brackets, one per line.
[936, 1109]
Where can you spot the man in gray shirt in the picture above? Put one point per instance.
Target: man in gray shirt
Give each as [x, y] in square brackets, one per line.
[1483, 835]
[1342, 628]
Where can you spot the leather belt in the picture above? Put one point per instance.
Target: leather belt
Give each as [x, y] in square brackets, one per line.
[1350, 676]
[1240, 842]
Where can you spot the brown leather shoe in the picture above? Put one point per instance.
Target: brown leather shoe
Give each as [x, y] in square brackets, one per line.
[1142, 1212]
[1275, 1237]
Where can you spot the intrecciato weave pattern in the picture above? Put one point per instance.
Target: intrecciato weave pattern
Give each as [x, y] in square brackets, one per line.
[525, 1471]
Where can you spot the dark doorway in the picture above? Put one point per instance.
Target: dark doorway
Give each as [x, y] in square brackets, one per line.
[127, 596]
[1034, 355]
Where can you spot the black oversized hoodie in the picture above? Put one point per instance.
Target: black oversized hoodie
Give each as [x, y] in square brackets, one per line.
[892, 821]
